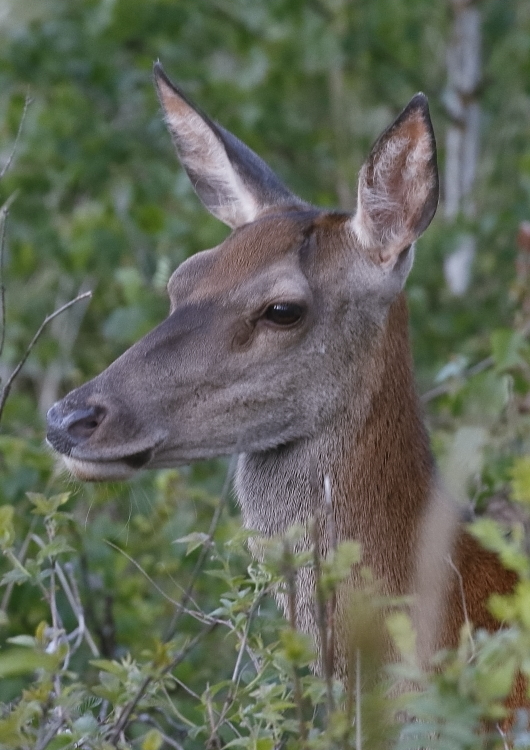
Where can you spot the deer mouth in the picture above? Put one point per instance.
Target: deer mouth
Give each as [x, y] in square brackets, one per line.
[105, 470]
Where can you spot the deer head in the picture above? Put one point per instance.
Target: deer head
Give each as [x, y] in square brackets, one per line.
[272, 330]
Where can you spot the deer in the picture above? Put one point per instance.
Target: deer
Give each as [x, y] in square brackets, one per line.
[288, 344]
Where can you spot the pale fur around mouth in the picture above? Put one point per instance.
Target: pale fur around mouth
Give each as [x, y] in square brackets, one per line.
[119, 469]
[99, 471]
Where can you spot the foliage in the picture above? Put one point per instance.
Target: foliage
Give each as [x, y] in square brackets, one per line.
[128, 616]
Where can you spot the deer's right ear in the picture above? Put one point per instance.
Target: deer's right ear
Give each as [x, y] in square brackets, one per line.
[398, 186]
[234, 184]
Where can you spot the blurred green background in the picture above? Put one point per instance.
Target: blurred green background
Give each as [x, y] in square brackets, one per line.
[101, 203]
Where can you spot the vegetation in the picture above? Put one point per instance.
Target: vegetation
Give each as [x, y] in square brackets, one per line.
[132, 615]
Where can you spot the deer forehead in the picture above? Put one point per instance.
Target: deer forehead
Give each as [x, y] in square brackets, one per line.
[261, 259]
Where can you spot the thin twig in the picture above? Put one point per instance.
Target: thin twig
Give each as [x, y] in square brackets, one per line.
[330, 519]
[358, 725]
[205, 549]
[505, 743]
[147, 719]
[242, 648]
[182, 609]
[464, 606]
[198, 615]
[50, 734]
[214, 743]
[21, 557]
[484, 364]
[185, 688]
[322, 619]
[17, 137]
[58, 630]
[3, 218]
[349, 698]
[73, 599]
[290, 577]
[129, 707]
[6, 389]
[447, 386]
[4, 214]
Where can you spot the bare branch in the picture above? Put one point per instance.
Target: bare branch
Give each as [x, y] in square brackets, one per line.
[74, 597]
[447, 387]
[147, 719]
[469, 627]
[322, 620]
[210, 625]
[4, 213]
[358, 724]
[21, 557]
[484, 364]
[7, 388]
[197, 615]
[289, 572]
[129, 708]
[50, 734]
[332, 606]
[3, 218]
[17, 137]
[205, 549]
[236, 675]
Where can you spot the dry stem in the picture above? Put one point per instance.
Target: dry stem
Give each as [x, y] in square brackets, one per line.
[7, 388]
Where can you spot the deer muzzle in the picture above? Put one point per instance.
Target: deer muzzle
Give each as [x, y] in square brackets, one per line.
[77, 432]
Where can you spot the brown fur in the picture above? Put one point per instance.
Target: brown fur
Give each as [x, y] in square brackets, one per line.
[331, 396]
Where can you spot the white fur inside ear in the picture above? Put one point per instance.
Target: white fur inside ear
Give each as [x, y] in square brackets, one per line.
[399, 187]
[205, 156]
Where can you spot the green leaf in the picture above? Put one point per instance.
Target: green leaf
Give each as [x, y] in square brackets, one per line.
[60, 742]
[298, 647]
[86, 724]
[346, 555]
[400, 628]
[23, 640]
[493, 537]
[520, 475]
[19, 661]
[193, 540]
[113, 667]
[506, 346]
[7, 529]
[57, 547]
[17, 575]
[45, 506]
[153, 740]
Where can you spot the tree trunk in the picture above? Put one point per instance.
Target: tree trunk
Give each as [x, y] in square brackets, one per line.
[462, 140]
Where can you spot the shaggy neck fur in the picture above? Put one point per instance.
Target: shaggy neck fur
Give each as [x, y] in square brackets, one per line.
[380, 473]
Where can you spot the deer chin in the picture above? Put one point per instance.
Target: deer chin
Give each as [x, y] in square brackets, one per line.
[116, 470]
[99, 471]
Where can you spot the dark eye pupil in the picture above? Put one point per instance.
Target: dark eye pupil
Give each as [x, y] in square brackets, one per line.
[284, 313]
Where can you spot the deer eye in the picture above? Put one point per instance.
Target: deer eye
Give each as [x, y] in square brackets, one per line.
[284, 313]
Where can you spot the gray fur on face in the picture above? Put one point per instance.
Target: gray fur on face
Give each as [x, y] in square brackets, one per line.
[299, 402]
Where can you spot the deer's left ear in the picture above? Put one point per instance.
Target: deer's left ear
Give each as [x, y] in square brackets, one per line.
[398, 186]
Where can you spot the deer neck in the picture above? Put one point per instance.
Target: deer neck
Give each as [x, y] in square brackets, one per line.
[380, 468]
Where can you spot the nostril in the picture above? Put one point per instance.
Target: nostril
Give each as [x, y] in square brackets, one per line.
[82, 423]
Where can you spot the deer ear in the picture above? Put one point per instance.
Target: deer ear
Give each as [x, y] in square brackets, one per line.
[398, 185]
[234, 184]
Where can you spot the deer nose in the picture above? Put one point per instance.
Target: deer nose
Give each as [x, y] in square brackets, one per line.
[66, 430]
